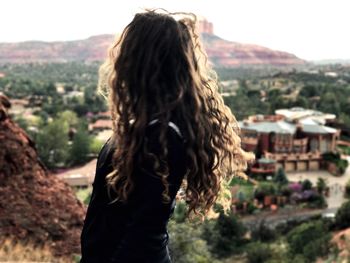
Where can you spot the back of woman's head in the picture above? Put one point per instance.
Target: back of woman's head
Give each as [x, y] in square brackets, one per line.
[157, 69]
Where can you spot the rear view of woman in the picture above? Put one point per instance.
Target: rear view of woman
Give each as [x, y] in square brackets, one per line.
[170, 126]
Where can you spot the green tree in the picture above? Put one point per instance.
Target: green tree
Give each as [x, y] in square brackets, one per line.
[321, 185]
[342, 218]
[258, 252]
[310, 240]
[330, 103]
[225, 236]
[186, 244]
[263, 233]
[306, 185]
[95, 146]
[52, 143]
[69, 117]
[180, 212]
[80, 147]
[280, 177]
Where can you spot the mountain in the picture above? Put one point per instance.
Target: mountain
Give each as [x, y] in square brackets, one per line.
[91, 49]
[35, 206]
[222, 53]
[232, 54]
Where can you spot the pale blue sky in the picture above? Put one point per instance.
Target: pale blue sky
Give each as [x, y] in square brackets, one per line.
[311, 29]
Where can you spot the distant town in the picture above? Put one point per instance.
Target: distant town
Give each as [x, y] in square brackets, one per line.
[292, 206]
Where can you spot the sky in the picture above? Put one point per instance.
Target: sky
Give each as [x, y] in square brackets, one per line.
[310, 29]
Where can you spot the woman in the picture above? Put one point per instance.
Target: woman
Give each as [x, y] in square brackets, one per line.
[170, 124]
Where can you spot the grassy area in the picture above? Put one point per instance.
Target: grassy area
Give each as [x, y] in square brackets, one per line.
[14, 251]
[238, 181]
[83, 194]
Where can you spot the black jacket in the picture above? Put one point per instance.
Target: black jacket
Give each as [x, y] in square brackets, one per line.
[136, 230]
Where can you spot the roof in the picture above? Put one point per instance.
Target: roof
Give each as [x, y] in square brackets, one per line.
[102, 124]
[308, 128]
[283, 127]
[267, 127]
[301, 113]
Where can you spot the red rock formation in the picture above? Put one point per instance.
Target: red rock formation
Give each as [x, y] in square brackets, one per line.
[204, 26]
[34, 205]
[222, 53]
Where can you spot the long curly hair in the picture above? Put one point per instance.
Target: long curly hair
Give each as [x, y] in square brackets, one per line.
[157, 68]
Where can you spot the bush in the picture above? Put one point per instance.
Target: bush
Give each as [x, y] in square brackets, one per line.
[342, 218]
[251, 208]
[310, 240]
[347, 189]
[321, 185]
[180, 212]
[52, 144]
[317, 201]
[280, 177]
[95, 146]
[225, 236]
[306, 185]
[263, 190]
[342, 165]
[335, 158]
[186, 244]
[258, 252]
[316, 248]
[80, 147]
[263, 233]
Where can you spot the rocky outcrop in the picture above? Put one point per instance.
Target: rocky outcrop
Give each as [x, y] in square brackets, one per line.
[34, 204]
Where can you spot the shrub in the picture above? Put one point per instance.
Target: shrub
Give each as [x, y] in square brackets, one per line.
[347, 189]
[225, 236]
[251, 208]
[80, 147]
[95, 146]
[263, 233]
[317, 201]
[335, 158]
[342, 218]
[286, 191]
[310, 240]
[316, 248]
[280, 177]
[186, 244]
[321, 185]
[342, 165]
[180, 212]
[263, 190]
[258, 252]
[306, 185]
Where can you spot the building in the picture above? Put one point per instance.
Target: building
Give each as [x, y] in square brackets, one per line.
[101, 125]
[295, 144]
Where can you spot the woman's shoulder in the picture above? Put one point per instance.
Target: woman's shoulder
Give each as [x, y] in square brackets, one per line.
[105, 154]
[173, 130]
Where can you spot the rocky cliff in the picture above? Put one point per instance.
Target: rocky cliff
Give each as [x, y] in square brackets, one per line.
[34, 204]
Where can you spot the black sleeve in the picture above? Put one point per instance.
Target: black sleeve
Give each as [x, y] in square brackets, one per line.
[146, 229]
